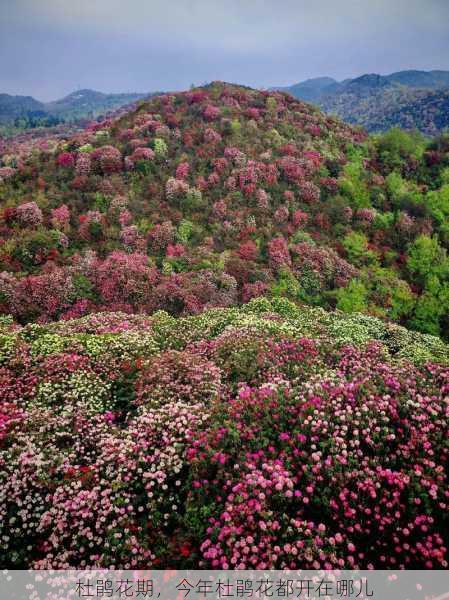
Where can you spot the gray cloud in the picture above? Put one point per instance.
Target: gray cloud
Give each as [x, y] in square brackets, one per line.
[49, 47]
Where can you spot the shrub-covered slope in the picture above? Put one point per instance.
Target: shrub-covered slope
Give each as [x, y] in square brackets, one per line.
[265, 436]
[214, 196]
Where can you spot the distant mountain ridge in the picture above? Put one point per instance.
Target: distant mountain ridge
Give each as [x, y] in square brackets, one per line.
[410, 99]
[310, 89]
[90, 100]
[12, 107]
[81, 104]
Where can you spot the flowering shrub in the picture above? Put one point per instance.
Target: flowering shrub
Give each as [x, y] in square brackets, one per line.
[278, 252]
[29, 214]
[270, 436]
[109, 159]
[211, 136]
[60, 217]
[174, 376]
[65, 159]
[160, 147]
[176, 188]
[327, 479]
[161, 236]
[124, 277]
[83, 164]
[309, 192]
[142, 154]
[211, 113]
[6, 173]
[182, 170]
[129, 236]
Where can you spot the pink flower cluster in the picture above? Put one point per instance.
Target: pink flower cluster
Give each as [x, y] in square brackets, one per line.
[29, 214]
[223, 440]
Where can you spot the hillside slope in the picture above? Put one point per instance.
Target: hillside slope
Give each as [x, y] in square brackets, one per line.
[407, 99]
[16, 107]
[380, 108]
[214, 196]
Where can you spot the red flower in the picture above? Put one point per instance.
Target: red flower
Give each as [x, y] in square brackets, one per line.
[185, 549]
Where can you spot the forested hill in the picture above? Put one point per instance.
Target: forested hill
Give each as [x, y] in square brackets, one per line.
[26, 112]
[220, 194]
[407, 99]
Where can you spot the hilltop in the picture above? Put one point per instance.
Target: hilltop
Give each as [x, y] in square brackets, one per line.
[214, 196]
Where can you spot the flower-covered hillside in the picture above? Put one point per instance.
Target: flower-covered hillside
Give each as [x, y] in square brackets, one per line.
[217, 195]
[265, 436]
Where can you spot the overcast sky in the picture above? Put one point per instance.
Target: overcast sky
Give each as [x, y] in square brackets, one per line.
[49, 48]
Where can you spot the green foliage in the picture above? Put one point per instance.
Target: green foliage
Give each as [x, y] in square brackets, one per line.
[101, 202]
[397, 146]
[271, 104]
[144, 226]
[356, 246]
[274, 138]
[95, 230]
[352, 183]
[352, 298]
[34, 246]
[85, 148]
[438, 203]
[444, 176]
[429, 310]
[83, 287]
[426, 258]
[388, 295]
[429, 264]
[236, 127]
[306, 289]
[193, 200]
[185, 229]
[160, 147]
[402, 301]
[286, 285]
[384, 220]
[396, 187]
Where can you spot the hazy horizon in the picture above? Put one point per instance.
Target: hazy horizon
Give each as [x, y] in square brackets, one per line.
[54, 47]
[172, 89]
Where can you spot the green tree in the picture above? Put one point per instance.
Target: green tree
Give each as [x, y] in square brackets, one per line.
[427, 258]
[432, 308]
[428, 263]
[353, 297]
[356, 246]
[353, 184]
[438, 204]
[397, 147]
